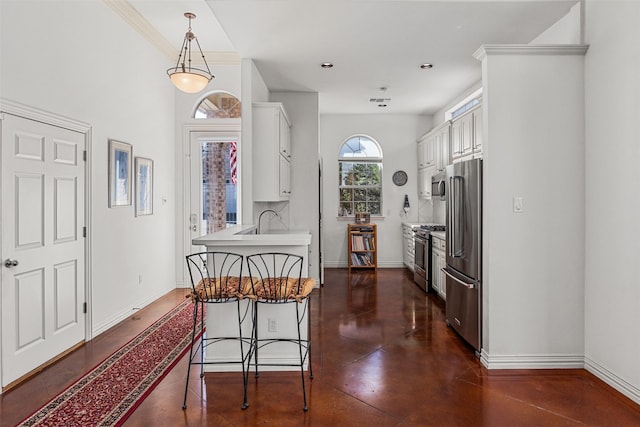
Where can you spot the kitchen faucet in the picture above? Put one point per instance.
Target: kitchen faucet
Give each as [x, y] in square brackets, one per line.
[262, 213]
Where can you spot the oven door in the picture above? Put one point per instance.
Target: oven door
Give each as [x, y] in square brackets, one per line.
[420, 264]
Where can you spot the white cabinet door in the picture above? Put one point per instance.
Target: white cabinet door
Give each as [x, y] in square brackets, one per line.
[422, 157]
[442, 147]
[466, 136]
[271, 138]
[424, 183]
[285, 178]
[477, 130]
[466, 124]
[408, 251]
[435, 277]
[456, 139]
[426, 152]
[438, 262]
[430, 151]
[285, 135]
[442, 263]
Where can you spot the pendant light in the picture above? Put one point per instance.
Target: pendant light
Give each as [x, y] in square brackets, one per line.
[185, 77]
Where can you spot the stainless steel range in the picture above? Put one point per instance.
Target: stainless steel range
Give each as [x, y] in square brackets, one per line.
[422, 263]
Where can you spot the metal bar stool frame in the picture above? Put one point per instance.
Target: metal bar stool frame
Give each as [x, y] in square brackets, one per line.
[214, 281]
[279, 269]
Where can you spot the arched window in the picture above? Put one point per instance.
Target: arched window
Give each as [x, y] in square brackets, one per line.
[360, 176]
[219, 105]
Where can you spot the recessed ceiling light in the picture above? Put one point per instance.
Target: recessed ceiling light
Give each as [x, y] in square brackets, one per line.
[327, 65]
[426, 66]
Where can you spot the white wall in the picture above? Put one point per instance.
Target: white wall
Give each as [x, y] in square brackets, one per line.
[80, 60]
[397, 135]
[568, 29]
[612, 308]
[304, 206]
[254, 89]
[533, 262]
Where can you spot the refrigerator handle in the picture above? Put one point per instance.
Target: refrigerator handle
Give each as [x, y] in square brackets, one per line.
[450, 227]
[465, 284]
[455, 216]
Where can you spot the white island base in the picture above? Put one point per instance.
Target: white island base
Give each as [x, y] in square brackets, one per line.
[274, 321]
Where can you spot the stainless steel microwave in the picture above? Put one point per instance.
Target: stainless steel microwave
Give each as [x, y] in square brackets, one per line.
[438, 185]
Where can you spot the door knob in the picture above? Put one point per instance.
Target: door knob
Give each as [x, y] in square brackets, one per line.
[11, 263]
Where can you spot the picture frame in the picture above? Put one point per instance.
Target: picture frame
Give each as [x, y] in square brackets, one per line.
[120, 166]
[144, 186]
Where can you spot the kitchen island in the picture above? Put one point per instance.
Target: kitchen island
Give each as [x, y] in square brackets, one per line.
[273, 320]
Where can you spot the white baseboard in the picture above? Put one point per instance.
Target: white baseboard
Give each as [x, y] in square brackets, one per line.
[618, 383]
[120, 316]
[382, 264]
[532, 361]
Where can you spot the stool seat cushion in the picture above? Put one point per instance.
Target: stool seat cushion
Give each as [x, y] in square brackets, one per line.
[221, 288]
[283, 288]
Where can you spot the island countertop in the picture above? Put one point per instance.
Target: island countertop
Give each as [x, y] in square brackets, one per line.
[244, 235]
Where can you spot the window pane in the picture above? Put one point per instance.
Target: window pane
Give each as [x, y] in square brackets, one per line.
[346, 194]
[359, 194]
[360, 207]
[360, 146]
[373, 195]
[374, 208]
[346, 209]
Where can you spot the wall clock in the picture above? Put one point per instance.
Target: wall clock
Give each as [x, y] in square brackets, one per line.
[400, 178]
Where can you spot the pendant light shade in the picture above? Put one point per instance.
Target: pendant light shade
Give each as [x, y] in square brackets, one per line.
[185, 77]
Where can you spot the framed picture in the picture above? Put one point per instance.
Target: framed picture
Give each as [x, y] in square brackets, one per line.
[144, 186]
[120, 163]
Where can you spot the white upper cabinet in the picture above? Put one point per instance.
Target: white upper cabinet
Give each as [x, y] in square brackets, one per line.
[271, 152]
[441, 145]
[424, 182]
[433, 157]
[461, 144]
[425, 153]
[466, 135]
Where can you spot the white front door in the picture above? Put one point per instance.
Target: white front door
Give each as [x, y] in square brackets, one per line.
[43, 248]
[203, 195]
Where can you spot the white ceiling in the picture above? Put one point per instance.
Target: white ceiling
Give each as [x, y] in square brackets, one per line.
[373, 43]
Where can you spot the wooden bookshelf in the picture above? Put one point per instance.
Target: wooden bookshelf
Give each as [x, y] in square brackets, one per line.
[363, 246]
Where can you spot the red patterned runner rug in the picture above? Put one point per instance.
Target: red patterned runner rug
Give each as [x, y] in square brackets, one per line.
[110, 392]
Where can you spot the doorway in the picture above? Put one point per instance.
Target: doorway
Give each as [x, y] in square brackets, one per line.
[214, 183]
[44, 248]
[194, 136]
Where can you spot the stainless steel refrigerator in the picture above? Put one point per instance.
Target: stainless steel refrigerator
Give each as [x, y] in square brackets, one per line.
[464, 250]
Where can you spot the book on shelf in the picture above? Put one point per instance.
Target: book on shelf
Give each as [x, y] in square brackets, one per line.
[361, 260]
[362, 243]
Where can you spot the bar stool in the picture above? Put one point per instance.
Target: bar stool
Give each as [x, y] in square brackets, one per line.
[276, 279]
[216, 279]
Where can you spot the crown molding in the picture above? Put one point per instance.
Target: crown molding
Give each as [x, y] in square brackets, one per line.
[529, 49]
[131, 16]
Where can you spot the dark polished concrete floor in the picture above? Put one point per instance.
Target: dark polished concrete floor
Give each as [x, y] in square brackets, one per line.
[382, 355]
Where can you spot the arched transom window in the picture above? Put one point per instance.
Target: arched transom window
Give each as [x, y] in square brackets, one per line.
[219, 105]
[360, 176]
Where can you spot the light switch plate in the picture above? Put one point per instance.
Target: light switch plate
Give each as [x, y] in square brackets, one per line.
[518, 205]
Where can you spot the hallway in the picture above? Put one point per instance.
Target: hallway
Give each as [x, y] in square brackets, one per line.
[382, 355]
